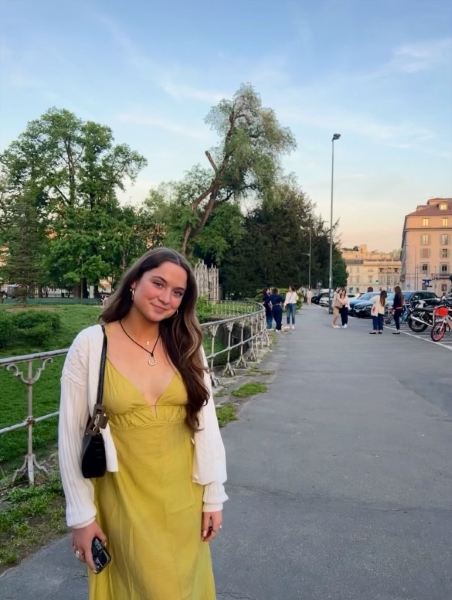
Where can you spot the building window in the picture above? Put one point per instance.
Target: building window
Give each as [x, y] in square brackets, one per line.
[444, 268]
[425, 252]
[444, 287]
[357, 279]
[425, 222]
[369, 279]
[443, 206]
[425, 239]
[444, 239]
[424, 268]
[444, 253]
[445, 222]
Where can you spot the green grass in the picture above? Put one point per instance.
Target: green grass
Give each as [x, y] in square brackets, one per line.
[30, 517]
[46, 392]
[226, 414]
[249, 389]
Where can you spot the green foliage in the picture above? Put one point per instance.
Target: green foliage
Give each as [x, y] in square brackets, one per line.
[203, 309]
[31, 517]
[33, 326]
[226, 414]
[245, 161]
[61, 177]
[6, 328]
[250, 389]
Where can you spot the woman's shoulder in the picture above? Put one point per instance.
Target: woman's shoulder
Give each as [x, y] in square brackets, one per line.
[86, 337]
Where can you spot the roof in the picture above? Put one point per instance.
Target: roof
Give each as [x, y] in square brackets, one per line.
[432, 208]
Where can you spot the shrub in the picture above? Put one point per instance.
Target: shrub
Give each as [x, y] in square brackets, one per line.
[35, 326]
[6, 328]
[203, 309]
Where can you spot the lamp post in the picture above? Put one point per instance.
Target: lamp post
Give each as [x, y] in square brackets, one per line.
[336, 136]
[310, 251]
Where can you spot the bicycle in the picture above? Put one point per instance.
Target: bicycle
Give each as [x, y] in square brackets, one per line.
[443, 324]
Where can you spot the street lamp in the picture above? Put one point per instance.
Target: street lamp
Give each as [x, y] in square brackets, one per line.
[336, 136]
[310, 251]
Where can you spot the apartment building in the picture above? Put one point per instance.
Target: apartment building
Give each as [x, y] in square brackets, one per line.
[379, 270]
[426, 247]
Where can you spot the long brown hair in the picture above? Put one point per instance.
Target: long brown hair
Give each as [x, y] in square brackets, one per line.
[398, 292]
[181, 335]
[383, 296]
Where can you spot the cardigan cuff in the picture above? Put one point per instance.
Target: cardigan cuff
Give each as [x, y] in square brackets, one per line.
[212, 508]
[85, 524]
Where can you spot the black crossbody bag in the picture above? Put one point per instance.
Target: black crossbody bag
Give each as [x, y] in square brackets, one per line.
[94, 459]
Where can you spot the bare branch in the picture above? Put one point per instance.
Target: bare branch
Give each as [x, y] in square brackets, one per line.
[210, 159]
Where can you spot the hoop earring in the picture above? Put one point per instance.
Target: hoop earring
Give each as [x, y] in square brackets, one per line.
[175, 314]
[132, 293]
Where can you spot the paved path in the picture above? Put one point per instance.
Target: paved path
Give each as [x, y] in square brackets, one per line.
[339, 478]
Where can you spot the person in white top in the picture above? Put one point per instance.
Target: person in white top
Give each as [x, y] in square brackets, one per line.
[378, 312]
[309, 297]
[290, 304]
[162, 495]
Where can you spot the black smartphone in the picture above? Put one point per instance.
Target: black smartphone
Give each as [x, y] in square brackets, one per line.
[101, 558]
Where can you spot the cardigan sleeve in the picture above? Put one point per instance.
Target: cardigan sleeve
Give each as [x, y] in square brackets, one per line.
[79, 492]
[209, 449]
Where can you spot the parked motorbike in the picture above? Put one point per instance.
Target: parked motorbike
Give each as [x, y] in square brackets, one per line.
[420, 316]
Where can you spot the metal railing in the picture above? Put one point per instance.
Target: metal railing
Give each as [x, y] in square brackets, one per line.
[246, 329]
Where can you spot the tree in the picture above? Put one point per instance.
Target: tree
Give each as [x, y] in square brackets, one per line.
[246, 159]
[25, 241]
[75, 169]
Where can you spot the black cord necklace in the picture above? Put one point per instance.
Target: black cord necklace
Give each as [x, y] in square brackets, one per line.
[152, 361]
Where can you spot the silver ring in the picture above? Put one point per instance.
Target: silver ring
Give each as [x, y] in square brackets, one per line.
[78, 554]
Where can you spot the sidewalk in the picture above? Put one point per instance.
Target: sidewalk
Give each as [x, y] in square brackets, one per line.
[339, 478]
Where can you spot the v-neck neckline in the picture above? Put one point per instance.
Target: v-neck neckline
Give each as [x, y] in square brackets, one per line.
[139, 391]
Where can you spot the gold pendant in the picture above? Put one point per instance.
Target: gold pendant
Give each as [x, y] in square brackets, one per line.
[152, 361]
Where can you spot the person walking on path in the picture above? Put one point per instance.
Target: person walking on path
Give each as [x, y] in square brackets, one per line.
[344, 308]
[268, 308]
[290, 304]
[397, 308]
[337, 305]
[161, 497]
[277, 307]
[309, 297]
[378, 312]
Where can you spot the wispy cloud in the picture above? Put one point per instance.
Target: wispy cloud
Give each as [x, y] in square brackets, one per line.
[161, 123]
[422, 56]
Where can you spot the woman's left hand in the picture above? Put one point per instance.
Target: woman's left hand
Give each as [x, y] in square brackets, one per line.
[212, 522]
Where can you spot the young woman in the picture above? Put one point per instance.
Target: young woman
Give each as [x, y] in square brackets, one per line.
[268, 307]
[397, 308]
[344, 308]
[161, 498]
[290, 304]
[277, 307]
[378, 312]
[338, 303]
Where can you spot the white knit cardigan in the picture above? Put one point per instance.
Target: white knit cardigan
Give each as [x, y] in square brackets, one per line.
[79, 383]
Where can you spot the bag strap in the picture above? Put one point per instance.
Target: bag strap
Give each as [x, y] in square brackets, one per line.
[99, 419]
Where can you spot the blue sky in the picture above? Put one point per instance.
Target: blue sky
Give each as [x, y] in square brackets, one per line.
[377, 71]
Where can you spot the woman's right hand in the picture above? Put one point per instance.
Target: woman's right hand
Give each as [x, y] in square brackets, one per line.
[82, 540]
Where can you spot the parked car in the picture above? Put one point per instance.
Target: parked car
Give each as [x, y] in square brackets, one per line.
[316, 299]
[363, 298]
[363, 309]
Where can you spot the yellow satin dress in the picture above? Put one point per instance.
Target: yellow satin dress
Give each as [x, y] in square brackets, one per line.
[150, 510]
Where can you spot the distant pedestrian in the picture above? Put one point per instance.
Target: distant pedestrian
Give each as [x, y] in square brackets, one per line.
[290, 304]
[344, 308]
[397, 308]
[378, 312]
[337, 305]
[309, 297]
[268, 307]
[277, 307]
